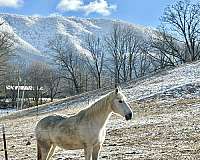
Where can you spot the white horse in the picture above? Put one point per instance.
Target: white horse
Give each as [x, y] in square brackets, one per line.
[85, 130]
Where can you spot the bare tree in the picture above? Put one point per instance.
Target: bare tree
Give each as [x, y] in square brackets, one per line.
[36, 74]
[115, 42]
[182, 23]
[95, 63]
[125, 46]
[6, 47]
[68, 58]
[14, 75]
[12, 78]
[133, 46]
[168, 52]
[52, 81]
[144, 60]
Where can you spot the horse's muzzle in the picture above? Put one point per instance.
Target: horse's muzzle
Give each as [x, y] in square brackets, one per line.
[128, 116]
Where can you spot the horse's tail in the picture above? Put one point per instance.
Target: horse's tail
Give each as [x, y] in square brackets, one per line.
[39, 153]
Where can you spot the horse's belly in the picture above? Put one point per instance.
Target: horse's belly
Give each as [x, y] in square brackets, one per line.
[71, 146]
[68, 142]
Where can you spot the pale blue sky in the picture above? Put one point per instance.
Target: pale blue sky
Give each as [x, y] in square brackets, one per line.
[144, 12]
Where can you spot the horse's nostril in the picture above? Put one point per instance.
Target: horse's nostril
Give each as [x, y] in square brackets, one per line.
[128, 116]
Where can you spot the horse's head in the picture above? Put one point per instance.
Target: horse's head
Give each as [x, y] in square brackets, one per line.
[120, 105]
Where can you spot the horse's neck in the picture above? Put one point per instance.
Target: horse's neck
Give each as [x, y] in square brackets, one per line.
[100, 111]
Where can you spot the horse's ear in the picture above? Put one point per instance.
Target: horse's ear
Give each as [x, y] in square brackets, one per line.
[116, 90]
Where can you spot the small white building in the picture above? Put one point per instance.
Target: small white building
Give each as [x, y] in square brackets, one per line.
[22, 88]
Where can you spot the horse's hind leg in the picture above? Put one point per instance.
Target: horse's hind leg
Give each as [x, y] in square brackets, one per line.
[39, 153]
[95, 153]
[43, 150]
[88, 153]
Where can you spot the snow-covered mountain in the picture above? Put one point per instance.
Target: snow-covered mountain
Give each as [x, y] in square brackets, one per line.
[34, 32]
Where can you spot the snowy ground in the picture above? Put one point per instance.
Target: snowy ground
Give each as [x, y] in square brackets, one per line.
[4, 112]
[165, 125]
[169, 80]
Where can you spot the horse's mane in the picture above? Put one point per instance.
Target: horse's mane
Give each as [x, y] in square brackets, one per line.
[99, 106]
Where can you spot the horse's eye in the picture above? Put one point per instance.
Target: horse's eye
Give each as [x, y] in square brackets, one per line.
[120, 101]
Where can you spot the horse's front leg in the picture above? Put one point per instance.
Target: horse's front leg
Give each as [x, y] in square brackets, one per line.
[88, 152]
[95, 153]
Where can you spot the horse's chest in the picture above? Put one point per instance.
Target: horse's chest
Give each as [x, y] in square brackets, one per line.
[94, 136]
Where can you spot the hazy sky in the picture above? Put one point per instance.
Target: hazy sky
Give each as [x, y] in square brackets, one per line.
[144, 12]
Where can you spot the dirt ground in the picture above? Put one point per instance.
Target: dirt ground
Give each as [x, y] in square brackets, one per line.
[160, 129]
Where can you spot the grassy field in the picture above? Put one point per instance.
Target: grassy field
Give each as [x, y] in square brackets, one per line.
[161, 129]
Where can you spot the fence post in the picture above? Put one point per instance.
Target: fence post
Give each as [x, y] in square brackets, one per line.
[4, 141]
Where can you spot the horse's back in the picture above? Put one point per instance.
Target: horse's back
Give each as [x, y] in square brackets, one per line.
[49, 121]
[46, 124]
